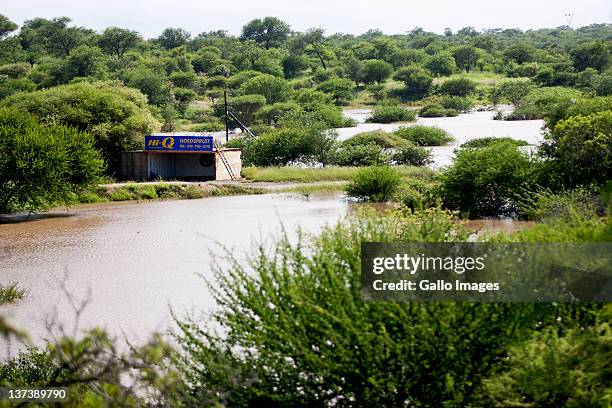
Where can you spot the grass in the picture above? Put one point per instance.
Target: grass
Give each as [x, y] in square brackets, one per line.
[135, 191]
[315, 189]
[312, 175]
[11, 293]
[481, 78]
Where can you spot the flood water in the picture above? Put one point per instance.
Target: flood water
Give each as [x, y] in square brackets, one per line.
[136, 261]
[140, 259]
[464, 127]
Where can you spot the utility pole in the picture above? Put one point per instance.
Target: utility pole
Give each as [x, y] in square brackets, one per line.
[226, 120]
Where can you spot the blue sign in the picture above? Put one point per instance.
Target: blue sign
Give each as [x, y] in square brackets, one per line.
[181, 143]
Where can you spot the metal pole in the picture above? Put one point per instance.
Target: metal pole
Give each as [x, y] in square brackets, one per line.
[226, 121]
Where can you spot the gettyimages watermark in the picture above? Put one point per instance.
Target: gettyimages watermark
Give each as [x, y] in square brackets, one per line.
[486, 272]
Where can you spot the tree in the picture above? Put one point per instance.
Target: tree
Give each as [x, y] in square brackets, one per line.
[466, 57]
[441, 64]
[514, 91]
[579, 149]
[520, 53]
[417, 80]
[153, 84]
[457, 87]
[273, 88]
[116, 116]
[375, 71]
[488, 181]
[354, 69]
[54, 36]
[245, 106]
[270, 32]
[340, 89]
[315, 40]
[173, 37]
[6, 26]
[84, 61]
[42, 165]
[594, 54]
[116, 41]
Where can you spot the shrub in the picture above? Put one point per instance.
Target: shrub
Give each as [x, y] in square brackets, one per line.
[270, 114]
[116, 116]
[245, 107]
[282, 146]
[360, 155]
[434, 110]
[488, 141]
[41, 165]
[579, 150]
[375, 184]
[554, 369]
[417, 194]
[513, 91]
[458, 103]
[546, 205]
[192, 192]
[208, 127]
[340, 89]
[541, 102]
[458, 87]
[412, 155]
[274, 89]
[574, 107]
[424, 135]
[377, 137]
[296, 322]
[416, 79]
[390, 114]
[488, 180]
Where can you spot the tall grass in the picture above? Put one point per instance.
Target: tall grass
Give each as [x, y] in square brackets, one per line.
[11, 293]
[311, 175]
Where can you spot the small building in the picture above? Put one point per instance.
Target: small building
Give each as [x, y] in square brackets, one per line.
[185, 156]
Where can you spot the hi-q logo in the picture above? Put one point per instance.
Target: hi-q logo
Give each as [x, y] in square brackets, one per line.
[166, 143]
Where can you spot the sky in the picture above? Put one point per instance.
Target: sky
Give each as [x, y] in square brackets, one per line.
[150, 17]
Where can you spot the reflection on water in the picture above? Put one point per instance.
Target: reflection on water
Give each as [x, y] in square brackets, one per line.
[464, 127]
[140, 258]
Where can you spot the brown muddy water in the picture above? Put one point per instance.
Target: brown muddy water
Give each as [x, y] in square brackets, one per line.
[135, 260]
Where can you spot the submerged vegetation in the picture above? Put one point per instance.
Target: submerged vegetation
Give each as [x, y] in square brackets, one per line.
[291, 328]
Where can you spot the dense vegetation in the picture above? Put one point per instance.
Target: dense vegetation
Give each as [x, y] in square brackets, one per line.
[292, 329]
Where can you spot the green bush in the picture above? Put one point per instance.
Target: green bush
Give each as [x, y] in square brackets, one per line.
[457, 87]
[411, 155]
[574, 107]
[552, 369]
[390, 114]
[295, 320]
[434, 110]
[368, 154]
[375, 184]
[417, 194]
[116, 116]
[41, 166]
[546, 205]
[579, 150]
[378, 137]
[542, 102]
[416, 79]
[208, 127]
[282, 146]
[489, 180]
[424, 135]
[489, 140]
